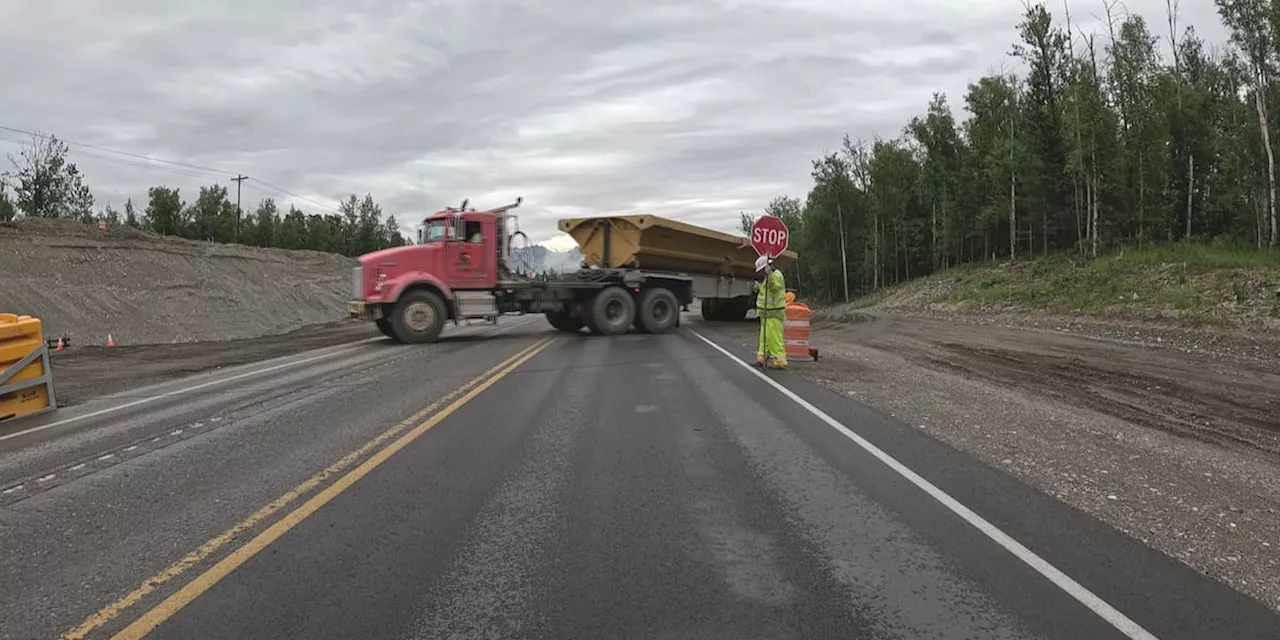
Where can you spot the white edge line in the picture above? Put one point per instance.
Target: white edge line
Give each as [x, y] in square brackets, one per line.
[175, 392]
[1076, 590]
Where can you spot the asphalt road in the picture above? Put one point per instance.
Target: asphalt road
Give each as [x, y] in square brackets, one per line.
[513, 482]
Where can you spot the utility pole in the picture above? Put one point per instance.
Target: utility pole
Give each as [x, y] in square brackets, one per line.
[844, 262]
[239, 179]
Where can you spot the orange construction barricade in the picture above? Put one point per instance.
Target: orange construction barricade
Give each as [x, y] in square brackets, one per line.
[795, 332]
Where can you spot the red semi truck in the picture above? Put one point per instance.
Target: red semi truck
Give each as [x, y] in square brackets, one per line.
[638, 271]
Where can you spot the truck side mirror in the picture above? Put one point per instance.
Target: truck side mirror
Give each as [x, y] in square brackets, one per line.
[419, 236]
[459, 229]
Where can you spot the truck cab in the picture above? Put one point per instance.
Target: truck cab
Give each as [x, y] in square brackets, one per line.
[461, 249]
[448, 274]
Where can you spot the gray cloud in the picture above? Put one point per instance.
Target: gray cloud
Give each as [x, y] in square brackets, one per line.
[693, 109]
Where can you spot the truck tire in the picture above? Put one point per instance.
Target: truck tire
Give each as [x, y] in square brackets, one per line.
[562, 321]
[384, 325]
[418, 317]
[658, 312]
[735, 309]
[709, 309]
[612, 311]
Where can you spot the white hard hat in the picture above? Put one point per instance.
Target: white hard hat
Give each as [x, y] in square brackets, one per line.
[762, 262]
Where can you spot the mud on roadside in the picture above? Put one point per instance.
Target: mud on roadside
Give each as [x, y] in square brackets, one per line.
[1171, 436]
[83, 372]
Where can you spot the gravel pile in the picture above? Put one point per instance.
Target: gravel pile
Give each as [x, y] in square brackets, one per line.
[145, 289]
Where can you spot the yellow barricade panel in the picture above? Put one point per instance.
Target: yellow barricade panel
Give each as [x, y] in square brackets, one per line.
[20, 337]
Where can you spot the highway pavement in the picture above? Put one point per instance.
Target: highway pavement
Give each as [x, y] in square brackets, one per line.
[515, 482]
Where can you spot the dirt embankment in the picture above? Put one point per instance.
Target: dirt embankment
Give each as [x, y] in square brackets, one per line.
[1184, 285]
[1170, 435]
[145, 289]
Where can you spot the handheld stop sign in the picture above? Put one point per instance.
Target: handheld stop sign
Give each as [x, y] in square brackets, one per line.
[769, 236]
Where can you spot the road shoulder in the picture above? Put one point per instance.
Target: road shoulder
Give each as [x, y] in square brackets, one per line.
[1085, 422]
[1124, 570]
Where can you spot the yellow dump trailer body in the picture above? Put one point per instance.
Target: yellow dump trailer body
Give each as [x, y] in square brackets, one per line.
[660, 244]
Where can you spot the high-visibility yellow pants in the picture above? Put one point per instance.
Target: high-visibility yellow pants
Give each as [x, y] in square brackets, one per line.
[771, 344]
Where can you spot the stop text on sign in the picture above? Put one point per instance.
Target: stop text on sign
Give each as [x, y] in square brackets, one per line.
[771, 237]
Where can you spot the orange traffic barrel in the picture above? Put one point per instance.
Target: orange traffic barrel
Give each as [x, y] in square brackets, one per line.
[795, 333]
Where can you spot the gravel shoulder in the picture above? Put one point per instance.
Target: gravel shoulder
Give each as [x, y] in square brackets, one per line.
[1170, 435]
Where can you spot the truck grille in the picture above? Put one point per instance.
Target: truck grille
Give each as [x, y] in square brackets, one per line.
[357, 283]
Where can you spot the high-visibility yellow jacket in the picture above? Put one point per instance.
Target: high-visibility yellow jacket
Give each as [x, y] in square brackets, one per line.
[771, 299]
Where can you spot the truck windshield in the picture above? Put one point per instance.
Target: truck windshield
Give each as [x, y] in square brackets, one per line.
[434, 232]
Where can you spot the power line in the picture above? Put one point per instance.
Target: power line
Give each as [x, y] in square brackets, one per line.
[290, 193]
[281, 195]
[210, 173]
[131, 163]
[123, 153]
[175, 167]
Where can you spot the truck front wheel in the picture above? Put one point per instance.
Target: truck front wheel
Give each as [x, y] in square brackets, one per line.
[613, 311]
[384, 325]
[418, 317]
[659, 311]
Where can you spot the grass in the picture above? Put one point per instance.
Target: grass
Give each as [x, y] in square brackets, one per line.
[1213, 282]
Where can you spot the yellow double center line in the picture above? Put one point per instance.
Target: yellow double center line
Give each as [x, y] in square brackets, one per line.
[171, 605]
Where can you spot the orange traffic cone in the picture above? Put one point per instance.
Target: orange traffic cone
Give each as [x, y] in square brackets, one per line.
[110, 342]
[59, 347]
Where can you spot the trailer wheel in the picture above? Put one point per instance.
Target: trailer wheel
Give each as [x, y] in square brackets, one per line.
[384, 325]
[612, 311]
[562, 321]
[710, 309]
[735, 309]
[659, 311]
[418, 317]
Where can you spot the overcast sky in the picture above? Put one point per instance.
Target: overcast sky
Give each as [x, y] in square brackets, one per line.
[692, 109]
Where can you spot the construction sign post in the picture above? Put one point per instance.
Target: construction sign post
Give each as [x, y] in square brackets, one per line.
[769, 236]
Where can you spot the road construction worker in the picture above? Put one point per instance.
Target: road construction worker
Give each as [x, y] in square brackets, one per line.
[771, 309]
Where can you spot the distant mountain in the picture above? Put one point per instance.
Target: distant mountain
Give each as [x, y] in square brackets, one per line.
[537, 258]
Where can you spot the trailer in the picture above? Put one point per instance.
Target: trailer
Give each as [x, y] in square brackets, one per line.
[638, 272]
[720, 266]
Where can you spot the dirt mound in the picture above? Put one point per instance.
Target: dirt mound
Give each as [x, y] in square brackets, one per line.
[1189, 286]
[144, 289]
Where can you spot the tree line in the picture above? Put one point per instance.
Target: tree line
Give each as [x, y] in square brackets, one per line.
[43, 184]
[1102, 143]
